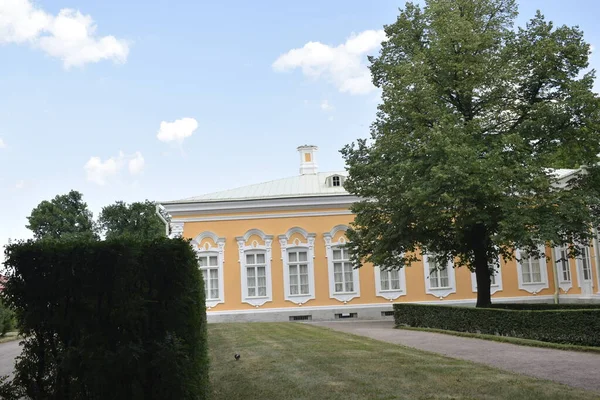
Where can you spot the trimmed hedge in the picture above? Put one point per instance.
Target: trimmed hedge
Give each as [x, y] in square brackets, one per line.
[121, 319]
[577, 327]
[546, 306]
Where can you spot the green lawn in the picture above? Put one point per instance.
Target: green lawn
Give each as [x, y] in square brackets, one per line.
[297, 361]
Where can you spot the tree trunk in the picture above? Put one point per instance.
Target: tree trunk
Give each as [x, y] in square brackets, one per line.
[482, 270]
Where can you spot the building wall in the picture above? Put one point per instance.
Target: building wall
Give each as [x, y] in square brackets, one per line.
[237, 225]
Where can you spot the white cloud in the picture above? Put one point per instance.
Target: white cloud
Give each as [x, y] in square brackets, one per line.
[136, 164]
[69, 35]
[101, 172]
[177, 130]
[2, 144]
[20, 185]
[343, 65]
[325, 106]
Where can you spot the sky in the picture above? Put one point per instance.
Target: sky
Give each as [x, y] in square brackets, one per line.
[162, 100]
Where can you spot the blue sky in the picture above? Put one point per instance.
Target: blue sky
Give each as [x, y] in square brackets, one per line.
[88, 83]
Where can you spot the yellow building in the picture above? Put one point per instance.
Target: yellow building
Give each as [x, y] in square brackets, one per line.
[275, 251]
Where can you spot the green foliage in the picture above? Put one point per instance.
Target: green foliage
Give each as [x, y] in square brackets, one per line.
[116, 319]
[473, 114]
[64, 217]
[7, 319]
[545, 306]
[136, 220]
[567, 325]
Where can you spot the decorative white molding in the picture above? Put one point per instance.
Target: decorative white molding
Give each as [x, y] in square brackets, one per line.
[329, 244]
[255, 301]
[197, 207]
[309, 247]
[391, 294]
[533, 287]
[586, 286]
[562, 284]
[439, 292]
[176, 229]
[497, 287]
[266, 216]
[219, 250]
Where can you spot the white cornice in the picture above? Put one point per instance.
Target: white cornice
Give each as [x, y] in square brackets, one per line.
[257, 205]
[264, 216]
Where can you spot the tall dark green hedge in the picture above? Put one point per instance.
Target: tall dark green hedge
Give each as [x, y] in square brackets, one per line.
[120, 319]
[571, 326]
[7, 319]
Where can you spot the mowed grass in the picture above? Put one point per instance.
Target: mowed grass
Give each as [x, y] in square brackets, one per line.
[299, 361]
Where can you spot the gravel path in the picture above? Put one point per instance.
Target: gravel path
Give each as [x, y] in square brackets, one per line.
[569, 367]
[8, 352]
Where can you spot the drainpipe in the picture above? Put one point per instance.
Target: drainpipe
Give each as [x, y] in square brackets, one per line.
[597, 258]
[162, 219]
[555, 273]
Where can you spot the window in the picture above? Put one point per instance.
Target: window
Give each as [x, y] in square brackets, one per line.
[495, 277]
[210, 250]
[532, 273]
[256, 275]
[390, 280]
[344, 282]
[209, 265]
[255, 267]
[531, 270]
[297, 253]
[439, 278]
[336, 181]
[438, 274]
[564, 270]
[342, 270]
[390, 284]
[586, 264]
[298, 272]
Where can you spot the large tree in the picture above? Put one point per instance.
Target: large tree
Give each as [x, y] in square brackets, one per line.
[137, 219]
[474, 115]
[64, 217]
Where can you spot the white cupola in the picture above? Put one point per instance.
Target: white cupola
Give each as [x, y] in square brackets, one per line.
[308, 159]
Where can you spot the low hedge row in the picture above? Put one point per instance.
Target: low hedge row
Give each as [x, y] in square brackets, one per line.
[545, 306]
[578, 326]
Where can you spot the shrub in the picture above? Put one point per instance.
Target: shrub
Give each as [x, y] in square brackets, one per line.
[7, 321]
[108, 320]
[546, 306]
[571, 326]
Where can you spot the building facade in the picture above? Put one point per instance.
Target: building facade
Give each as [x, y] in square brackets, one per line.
[275, 252]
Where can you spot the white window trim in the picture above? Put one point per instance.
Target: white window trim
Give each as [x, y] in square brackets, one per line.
[329, 243]
[220, 251]
[439, 292]
[535, 287]
[243, 248]
[309, 247]
[562, 284]
[391, 294]
[497, 287]
[579, 269]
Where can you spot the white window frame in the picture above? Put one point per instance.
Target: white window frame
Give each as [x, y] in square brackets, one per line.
[439, 292]
[533, 287]
[497, 286]
[579, 269]
[309, 247]
[255, 247]
[563, 284]
[219, 249]
[390, 294]
[329, 245]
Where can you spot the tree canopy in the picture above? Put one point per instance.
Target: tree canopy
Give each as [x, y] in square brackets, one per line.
[64, 217]
[137, 220]
[475, 114]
